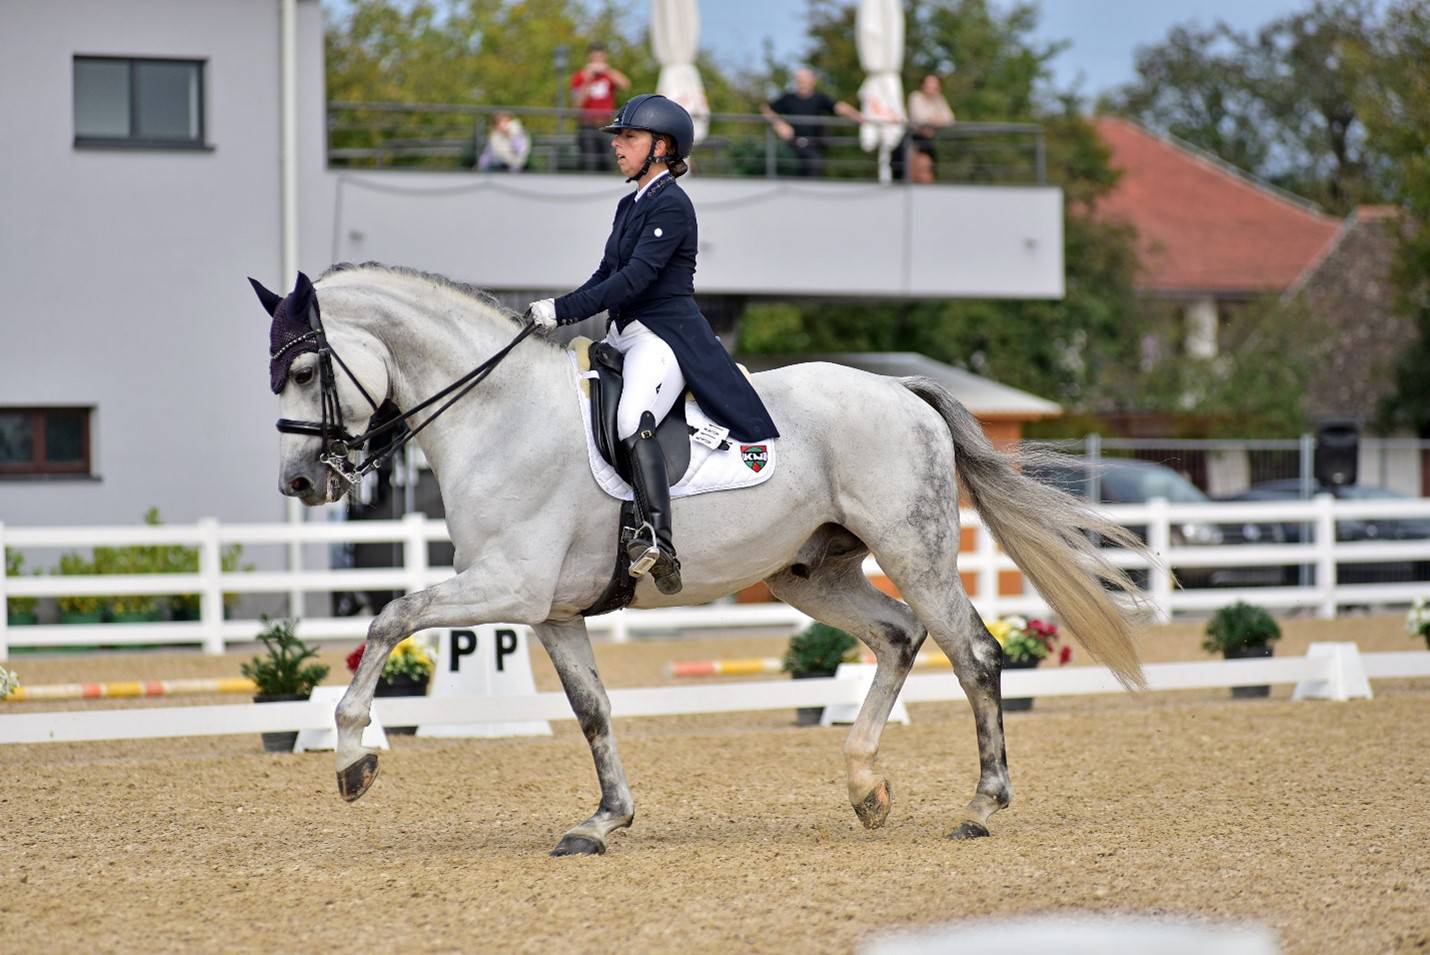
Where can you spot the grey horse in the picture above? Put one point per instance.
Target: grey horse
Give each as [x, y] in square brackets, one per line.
[867, 465]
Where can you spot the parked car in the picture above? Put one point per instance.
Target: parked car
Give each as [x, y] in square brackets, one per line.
[1378, 529]
[1129, 481]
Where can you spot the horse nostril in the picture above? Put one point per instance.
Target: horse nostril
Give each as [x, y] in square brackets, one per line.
[299, 485]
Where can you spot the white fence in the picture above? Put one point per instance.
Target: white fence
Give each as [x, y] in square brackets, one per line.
[1164, 522]
[1327, 671]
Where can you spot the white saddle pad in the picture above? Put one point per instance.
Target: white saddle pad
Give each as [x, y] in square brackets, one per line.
[741, 465]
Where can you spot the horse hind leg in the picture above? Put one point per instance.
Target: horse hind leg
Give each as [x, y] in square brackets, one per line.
[828, 583]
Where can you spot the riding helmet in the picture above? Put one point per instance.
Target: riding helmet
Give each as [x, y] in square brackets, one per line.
[656, 114]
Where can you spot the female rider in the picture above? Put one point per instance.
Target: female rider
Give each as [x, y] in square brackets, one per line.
[646, 282]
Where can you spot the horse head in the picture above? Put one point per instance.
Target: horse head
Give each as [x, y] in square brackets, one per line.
[330, 382]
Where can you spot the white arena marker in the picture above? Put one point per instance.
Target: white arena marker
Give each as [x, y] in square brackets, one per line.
[1077, 935]
[373, 737]
[488, 660]
[845, 713]
[1345, 679]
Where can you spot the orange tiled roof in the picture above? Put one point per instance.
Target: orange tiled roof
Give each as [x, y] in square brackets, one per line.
[1203, 227]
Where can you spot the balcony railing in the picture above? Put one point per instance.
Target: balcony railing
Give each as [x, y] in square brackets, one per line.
[452, 137]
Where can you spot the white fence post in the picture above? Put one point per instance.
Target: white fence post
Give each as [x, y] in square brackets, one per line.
[211, 597]
[620, 628]
[414, 551]
[985, 551]
[1326, 555]
[1159, 572]
[4, 599]
[295, 558]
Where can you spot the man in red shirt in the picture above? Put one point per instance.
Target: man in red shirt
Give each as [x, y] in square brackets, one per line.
[593, 90]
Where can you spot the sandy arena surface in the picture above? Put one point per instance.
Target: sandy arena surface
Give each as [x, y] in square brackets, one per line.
[1313, 818]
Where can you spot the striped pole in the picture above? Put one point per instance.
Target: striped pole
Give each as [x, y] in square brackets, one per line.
[131, 688]
[754, 666]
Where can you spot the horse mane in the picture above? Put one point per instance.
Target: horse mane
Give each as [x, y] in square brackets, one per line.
[480, 296]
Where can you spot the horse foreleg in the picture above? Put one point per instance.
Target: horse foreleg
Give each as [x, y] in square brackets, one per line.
[836, 592]
[357, 765]
[569, 647]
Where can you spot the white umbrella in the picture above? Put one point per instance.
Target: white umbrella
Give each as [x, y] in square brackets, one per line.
[880, 36]
[675, 36]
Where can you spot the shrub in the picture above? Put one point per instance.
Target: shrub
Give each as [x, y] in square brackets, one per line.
[818, 648]
[283, 671]
[1240, 626]
[15, 567]
[77, 565]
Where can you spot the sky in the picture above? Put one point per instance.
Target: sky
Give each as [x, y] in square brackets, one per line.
[1104, 33]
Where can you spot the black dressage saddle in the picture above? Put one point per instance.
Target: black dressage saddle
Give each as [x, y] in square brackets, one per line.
[673, 433]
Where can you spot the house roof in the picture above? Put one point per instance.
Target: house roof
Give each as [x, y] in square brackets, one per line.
[987, 399]
[1204, 226]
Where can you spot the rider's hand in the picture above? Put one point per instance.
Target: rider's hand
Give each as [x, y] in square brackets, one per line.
[542, 312]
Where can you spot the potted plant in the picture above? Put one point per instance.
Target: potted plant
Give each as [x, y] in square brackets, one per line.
[9, 683]
[79, 609]
[1026, 643]
[19, 611]
[816, 652]
[283, 674]
[407, 672]
[1239, 631]
[1417, 621]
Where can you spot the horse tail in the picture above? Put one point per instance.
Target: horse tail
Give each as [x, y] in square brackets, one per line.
[1047, 534]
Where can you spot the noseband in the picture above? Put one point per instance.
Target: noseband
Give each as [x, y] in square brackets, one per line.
[338, 444]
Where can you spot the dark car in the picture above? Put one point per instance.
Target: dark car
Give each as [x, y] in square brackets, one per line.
[1127, 481]
[1377, 529]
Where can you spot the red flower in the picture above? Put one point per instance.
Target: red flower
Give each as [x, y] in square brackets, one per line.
[355, 657]
[1065, 655]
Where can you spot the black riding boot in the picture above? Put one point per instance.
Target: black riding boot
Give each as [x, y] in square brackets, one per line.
[652, 487]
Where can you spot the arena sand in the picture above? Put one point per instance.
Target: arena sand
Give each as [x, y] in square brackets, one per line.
[1313, 818]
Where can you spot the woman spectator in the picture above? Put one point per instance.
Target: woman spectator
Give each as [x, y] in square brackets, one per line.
[507, 146]
[929, 113]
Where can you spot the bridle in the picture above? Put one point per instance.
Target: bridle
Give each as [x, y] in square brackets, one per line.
[338, 444]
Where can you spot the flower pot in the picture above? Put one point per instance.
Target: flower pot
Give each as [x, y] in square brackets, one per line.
[1023, 703]
[1244, 653]
[280, 742]
[810, 715]
[77, 616]
[21, 618]
[401, 685]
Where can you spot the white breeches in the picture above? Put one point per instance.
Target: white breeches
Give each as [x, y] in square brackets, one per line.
[653, 381]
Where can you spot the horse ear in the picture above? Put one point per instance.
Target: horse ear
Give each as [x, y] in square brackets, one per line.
[269, 299]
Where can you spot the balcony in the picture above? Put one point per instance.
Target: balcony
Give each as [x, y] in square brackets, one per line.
[404, 190]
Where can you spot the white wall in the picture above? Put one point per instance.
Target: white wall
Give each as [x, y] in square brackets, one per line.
[756, 236]
[124, 270]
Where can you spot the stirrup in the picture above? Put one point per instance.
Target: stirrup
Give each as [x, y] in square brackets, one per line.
[642, 550]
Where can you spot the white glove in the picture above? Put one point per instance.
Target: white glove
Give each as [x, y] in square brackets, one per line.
[543, 312]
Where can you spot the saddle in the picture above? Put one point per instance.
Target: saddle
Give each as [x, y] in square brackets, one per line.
[672, 434]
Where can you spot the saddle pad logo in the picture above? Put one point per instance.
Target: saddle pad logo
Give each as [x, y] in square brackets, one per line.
[755, 456]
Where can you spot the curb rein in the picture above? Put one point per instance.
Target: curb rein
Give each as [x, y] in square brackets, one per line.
[338, 444]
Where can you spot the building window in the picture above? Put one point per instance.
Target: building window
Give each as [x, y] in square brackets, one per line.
[138, 103]
[41, 441]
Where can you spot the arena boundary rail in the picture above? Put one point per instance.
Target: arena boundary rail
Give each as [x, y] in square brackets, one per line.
[1165, 525]
[1327, 671]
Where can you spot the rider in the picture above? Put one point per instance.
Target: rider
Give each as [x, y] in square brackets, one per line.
[646, 283]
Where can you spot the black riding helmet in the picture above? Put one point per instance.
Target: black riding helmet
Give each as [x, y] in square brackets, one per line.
[656, 115]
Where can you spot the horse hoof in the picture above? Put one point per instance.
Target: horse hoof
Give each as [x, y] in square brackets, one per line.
[968, 829]
[874, 808]
[579, 846]
[357, 778]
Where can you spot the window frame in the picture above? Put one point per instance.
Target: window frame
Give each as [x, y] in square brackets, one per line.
[38, 466]
[134, 141]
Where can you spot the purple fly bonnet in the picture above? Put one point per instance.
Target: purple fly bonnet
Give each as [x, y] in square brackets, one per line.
[291, 333]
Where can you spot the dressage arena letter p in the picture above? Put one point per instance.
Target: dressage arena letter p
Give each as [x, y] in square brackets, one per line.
[486, 660]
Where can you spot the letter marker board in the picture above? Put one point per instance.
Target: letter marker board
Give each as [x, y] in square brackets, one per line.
[486, 660]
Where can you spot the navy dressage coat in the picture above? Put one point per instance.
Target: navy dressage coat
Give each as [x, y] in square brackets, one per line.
[648, 275]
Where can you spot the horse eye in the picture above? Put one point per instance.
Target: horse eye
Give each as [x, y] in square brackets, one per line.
[303, 375]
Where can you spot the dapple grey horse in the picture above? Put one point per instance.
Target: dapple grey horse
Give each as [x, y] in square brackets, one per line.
[866, 464]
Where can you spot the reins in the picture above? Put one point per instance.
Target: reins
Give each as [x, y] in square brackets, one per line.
[338, 443]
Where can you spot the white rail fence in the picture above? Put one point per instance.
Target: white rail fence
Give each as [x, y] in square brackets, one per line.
[1335, 671]
[1166, 526]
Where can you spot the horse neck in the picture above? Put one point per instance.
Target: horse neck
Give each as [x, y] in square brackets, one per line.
[428, 349]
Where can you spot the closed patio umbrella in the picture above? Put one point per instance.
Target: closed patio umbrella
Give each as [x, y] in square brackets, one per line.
[879, 28]
[675, 37]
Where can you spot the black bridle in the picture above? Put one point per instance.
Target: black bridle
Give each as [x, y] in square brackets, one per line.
[337, 442]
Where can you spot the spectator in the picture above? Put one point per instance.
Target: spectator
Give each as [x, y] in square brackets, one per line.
[593, 90]
[805, 139]
[507, 146]
[929, 113]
